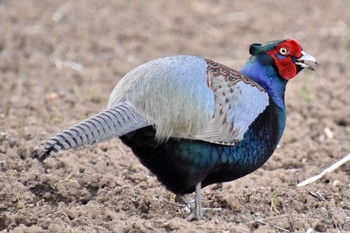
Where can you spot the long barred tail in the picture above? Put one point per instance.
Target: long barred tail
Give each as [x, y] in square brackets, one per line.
[114, 122]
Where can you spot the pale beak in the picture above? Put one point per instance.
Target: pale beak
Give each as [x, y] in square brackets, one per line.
[307, 61]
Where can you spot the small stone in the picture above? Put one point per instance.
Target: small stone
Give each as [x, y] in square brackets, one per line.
[217, 221]
[3, 136]
[3, 164]
[12, 141]
[52, 96]
[337, 183]
[93, 161]
[329, 133]
[103, 146]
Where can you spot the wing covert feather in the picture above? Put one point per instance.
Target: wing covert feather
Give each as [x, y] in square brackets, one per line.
[238, 101]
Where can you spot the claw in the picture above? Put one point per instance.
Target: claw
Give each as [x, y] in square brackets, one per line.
[196, 210]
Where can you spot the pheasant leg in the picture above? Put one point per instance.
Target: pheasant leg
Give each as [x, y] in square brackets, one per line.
[198, 214]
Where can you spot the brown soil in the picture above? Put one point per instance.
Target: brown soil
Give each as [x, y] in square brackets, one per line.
[59, 60]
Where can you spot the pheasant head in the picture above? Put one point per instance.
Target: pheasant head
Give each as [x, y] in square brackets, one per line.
[274, 63]
[287, 56]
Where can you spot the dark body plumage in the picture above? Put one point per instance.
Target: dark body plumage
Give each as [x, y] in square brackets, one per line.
[181, 163]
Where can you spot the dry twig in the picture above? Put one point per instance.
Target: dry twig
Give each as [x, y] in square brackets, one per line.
[317, 195]
[328, 170]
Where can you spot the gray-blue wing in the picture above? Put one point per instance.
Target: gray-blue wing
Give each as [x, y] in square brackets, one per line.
[238, 102]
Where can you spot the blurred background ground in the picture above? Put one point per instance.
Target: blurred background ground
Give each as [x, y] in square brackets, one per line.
[59, 60]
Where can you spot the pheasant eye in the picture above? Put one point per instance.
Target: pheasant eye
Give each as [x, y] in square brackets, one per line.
[283, 51]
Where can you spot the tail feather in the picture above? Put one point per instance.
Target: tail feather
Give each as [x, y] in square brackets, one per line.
[113, 122]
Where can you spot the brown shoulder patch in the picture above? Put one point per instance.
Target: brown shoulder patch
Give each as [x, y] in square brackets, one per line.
[232, 76]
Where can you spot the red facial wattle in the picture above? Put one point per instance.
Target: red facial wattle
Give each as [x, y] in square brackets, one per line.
[286, 67]
[284, 62]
